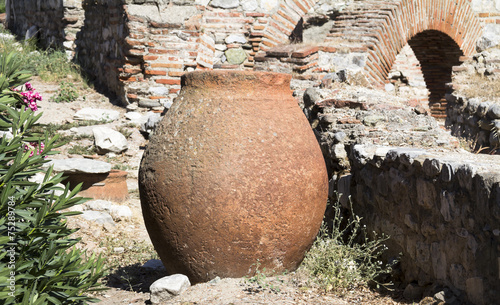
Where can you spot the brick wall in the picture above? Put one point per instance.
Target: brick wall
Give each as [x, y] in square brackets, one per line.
[139, 48]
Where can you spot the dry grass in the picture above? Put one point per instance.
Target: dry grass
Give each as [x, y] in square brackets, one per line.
[480, 86]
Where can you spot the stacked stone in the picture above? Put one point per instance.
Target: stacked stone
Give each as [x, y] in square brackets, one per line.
[476, 120]
[298, 59]
[52, 23]
[440, 210]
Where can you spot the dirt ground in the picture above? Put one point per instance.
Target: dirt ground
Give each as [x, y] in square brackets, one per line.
[127, 247]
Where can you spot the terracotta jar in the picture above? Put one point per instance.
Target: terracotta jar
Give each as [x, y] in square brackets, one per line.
[233, 177]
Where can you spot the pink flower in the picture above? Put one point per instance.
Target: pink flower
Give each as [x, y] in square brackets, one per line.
[33, 148]
[31, 97]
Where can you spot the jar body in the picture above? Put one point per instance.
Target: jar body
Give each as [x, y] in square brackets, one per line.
[233, 177]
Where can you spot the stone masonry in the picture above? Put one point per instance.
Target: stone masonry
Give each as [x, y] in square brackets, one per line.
[139, 48]
[442, 212]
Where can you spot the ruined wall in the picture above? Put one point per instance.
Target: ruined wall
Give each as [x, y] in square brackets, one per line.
[154, 42]
[54, 23]
[441, 210]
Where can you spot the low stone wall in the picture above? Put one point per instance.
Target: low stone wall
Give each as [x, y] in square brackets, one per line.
[473, 110]
[441, 210]
[477, 121]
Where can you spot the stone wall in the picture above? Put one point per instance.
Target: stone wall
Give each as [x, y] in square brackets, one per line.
[473, 111]
[442, 211]
[54, 23]
[475, 120]
[148, 44]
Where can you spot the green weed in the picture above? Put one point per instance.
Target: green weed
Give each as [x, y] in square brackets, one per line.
[67, 93]
[82, 150]
[346, 257]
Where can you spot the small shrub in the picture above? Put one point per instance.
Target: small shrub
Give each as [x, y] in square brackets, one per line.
[38, 261]
[82, 150]
[346, 257]
[67, 93]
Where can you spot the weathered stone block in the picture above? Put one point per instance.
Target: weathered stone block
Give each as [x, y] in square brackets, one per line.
[426, 193]
[475, 290]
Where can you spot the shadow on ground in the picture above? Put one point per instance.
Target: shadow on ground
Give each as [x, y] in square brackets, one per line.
[133, 278]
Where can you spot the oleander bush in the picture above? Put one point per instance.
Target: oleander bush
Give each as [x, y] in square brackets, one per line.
[39, 263]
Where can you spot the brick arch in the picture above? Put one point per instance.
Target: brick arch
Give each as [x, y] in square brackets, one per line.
[381, 28]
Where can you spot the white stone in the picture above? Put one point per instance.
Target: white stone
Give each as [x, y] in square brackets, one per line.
[490, 37]
[167, 103]
[78, 165]
[132, 107]
[235, 38]
[152, 120]
[168, 287]
[107, 115]
[136, 117]
[225, 3]
[268, 5]
[98, 217]
[249, 5]
[175, 14]
[109, 140]
[68, 44]
[202, 2]
[389, 87]
[161, 91]
[120, 212]
[98, 205]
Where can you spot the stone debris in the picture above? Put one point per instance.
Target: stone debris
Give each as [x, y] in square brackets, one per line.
[79, 165]
[167, 287]
[97, 217]
[117, 212]
[94, 114]
[109, 140]
[136, 117]
[153, 118]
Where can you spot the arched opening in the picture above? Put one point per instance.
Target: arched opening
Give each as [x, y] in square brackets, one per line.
[437, 53]
[407, 80]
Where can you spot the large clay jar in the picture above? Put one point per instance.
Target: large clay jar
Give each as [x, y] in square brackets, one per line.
[233, 177]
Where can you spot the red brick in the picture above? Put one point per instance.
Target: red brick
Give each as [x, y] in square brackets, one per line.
[155, 72]
[165, 25]
[150, 57]
[304, 52]
[168, 81]
[132, 71]
[255, 15]
[328, 49]
[175, 73]
[166, 65]
[173, 90]
[153, 97]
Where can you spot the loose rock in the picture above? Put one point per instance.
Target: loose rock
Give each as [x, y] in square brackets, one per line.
[109, 140]
[106, 115]
[77, 165]
[168, 287]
